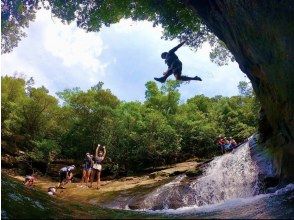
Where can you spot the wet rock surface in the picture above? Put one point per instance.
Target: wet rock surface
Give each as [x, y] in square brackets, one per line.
[260, 36]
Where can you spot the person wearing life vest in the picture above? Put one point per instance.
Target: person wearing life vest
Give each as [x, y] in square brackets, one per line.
[174, 66]
[97, 166]
[65, 175]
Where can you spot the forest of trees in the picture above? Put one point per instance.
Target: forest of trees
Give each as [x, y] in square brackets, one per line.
[138, 135]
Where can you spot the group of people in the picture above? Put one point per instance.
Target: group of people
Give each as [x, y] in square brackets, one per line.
[226, 144]
[92, 167]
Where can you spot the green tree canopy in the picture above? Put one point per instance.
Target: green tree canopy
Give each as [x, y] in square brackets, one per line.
[177, 20]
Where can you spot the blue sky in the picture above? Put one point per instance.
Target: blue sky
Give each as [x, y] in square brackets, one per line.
[124, 56]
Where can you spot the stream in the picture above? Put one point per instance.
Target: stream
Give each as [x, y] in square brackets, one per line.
[229, 187]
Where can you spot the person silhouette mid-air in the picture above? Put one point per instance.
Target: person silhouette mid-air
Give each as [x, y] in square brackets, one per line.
[174, 66]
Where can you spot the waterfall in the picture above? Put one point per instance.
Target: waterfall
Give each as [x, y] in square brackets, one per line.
[230, 176]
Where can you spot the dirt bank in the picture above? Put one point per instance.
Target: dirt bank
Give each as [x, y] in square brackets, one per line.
[126, 187]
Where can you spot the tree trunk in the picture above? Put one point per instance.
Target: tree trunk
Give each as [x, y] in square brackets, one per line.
[259, 33]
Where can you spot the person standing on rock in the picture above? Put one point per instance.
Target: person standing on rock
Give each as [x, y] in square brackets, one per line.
[174, 66]
[97, 167]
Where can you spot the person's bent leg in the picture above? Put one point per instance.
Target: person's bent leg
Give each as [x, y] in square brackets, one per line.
[60, 184]
[163, 78]
[62, 176]
[188, 78]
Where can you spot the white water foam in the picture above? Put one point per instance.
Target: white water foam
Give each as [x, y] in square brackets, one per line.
[233, 175]
[231, 203]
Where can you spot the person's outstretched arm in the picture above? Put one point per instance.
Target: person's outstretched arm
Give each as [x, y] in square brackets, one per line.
[104, 152]
[177, 47]
[97, 149]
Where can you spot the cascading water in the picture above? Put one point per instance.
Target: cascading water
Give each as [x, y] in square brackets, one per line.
[233, 175]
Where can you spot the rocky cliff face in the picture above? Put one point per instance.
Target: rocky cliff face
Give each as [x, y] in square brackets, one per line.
[260, 36]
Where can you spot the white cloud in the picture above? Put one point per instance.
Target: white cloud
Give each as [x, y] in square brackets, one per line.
[56, 55]
[15, 62]
[124, 56]
[74, 46]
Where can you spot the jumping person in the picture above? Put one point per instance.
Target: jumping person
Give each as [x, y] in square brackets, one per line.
[97, 167]
[174, 66]
[65, 175]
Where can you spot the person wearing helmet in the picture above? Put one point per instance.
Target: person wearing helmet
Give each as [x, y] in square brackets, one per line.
[65, 175]
[174, 66]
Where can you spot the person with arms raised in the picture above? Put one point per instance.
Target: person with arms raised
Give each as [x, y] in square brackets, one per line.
[174, 66]
[97, 167]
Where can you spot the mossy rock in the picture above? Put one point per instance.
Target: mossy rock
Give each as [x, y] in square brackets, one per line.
[194, 172]
[157, 174]
[176, 173]
[21, 202]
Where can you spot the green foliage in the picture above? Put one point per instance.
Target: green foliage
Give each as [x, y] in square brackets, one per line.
[12, 95]
[245, 89]
[38, 113]
[138, 135]
[15, 16]
[177, 20]
[45, 150]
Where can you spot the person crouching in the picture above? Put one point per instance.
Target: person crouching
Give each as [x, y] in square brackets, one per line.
[52, 191]
[29, 180]
[65, 175]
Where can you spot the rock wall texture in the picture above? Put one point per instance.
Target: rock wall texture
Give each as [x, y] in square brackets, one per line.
[259, 33]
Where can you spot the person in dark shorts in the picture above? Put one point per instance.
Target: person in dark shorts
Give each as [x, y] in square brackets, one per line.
[87, 167]
[65, 175]
[97, 167]
[174, 66]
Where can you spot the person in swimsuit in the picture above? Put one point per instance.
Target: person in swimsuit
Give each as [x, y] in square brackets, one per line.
[174, 66]
[97, 166]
